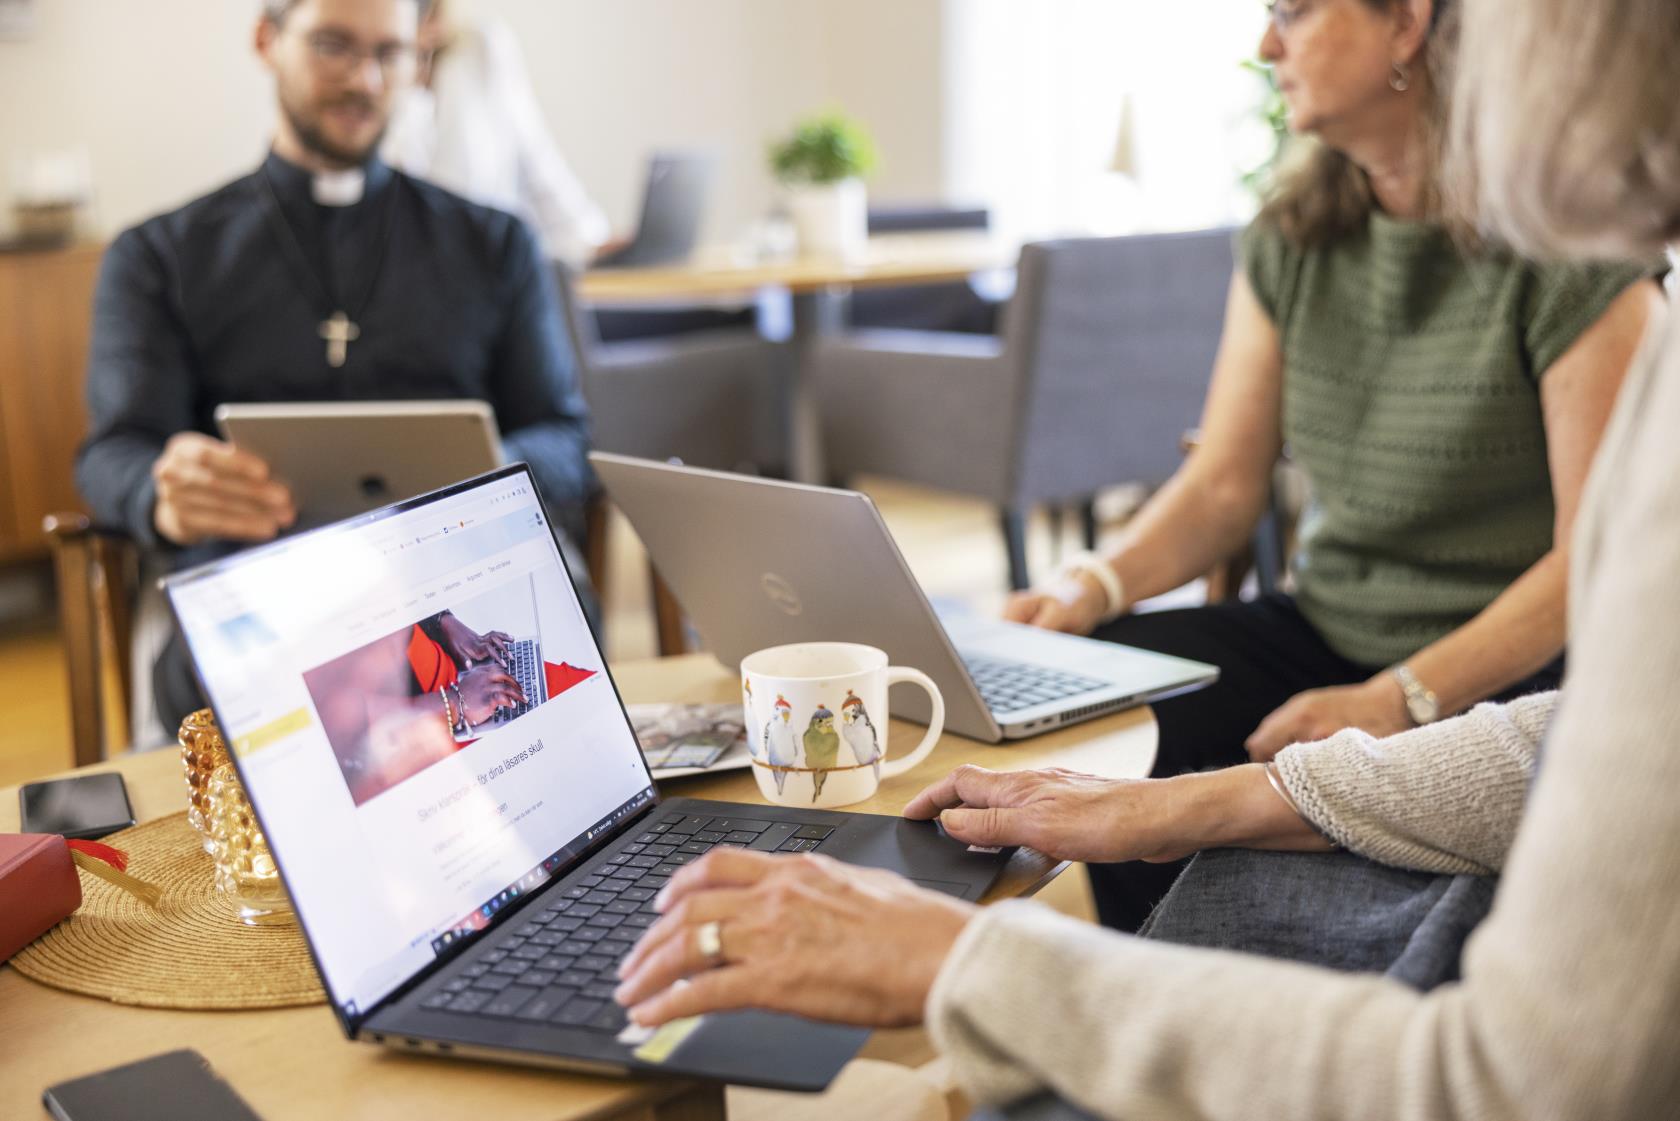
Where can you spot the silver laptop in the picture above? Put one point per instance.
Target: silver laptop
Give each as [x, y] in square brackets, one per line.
[673, 206]
[757, 562]
[473, 900]
[343, 458]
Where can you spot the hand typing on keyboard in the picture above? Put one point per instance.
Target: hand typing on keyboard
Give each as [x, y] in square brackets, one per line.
[466, 646]
[801, 934]
[486, 688]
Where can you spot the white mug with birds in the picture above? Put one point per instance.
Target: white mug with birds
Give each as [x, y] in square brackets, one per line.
[817, 721]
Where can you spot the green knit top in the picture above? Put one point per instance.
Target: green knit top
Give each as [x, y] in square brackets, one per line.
[1411, 400]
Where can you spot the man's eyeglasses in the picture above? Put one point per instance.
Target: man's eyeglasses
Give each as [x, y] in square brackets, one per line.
[338, 57]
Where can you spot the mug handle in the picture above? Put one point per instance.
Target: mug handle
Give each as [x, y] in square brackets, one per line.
[936, 723]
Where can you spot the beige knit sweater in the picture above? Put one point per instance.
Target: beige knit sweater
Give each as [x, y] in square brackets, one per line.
[1570, 1002]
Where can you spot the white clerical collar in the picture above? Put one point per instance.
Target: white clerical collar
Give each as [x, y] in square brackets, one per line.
[338, 188]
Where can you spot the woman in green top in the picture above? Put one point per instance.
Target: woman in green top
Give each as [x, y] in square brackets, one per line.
[1444, 406]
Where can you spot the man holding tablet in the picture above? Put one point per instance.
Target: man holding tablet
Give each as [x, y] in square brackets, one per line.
[322, 276]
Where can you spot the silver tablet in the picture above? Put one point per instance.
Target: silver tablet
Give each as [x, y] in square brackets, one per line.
[346, 457]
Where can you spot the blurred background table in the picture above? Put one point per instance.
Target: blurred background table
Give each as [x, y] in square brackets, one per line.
[816, 288]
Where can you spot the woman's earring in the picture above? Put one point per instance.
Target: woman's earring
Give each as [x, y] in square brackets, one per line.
[1397, 81]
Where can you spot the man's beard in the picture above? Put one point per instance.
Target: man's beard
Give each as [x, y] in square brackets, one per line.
[314, 138]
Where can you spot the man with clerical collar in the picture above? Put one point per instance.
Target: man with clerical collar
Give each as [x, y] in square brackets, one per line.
[322, 276]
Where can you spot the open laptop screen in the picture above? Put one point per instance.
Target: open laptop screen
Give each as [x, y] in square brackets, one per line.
[336, 661]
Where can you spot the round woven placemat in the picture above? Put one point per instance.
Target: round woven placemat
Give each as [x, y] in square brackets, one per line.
[191, 952]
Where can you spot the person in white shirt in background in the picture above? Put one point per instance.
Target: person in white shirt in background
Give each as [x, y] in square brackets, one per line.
[471, 124]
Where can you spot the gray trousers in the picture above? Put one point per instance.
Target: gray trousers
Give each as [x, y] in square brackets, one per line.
[1335, 910]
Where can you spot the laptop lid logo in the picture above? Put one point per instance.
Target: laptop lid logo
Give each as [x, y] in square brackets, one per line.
[781, 593]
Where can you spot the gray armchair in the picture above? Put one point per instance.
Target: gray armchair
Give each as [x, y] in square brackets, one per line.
[1101, 365]
[711, 398]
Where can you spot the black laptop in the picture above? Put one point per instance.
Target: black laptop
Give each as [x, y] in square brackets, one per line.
[673, 207]
[467, 884]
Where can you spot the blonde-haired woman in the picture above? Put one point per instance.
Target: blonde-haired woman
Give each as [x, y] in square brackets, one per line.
[1569, 1002]
[1442, 404]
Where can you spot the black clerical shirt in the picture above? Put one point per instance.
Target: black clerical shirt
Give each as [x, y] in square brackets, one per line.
[207, 305]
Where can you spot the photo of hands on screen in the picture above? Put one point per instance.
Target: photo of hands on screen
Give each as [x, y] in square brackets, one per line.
[396, 705]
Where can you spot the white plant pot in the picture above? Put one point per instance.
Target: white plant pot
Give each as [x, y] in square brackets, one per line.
[831, 220]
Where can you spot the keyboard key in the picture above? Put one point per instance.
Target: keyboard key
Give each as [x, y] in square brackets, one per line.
[644, 862]
[512, 967]
[470, 1001]
[590, 934]
[708, 836]
[576, 978]
[508, 1001]
[640, 921]
[594, 962]
[659, 850]
[458, 985]
[599, 898]
[438, 1000]
[814, 832]
[476, 969]
[624, 906]
[658, 827]
[649, 837]
[539, 978]
[792, 844]
[584, 910]
[530, 953]
[493, 982]
[740, 837]
[614, 950]
[528, 929]
[637, 894]
[771, 839]
[600, 990]
[610, 1018]
[562, 924]
[732, 824]
[590, 881]
[545, 1004]
[696, 848]
[634, 849]
[493, 957]
[556, 962]
[577, 1012]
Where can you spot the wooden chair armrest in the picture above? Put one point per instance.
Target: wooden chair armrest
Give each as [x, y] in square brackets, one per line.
[68, 527]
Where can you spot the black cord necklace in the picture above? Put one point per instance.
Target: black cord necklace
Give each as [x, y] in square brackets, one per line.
[339, 329]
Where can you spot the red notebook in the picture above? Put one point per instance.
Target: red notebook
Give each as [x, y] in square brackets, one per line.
[38, 887]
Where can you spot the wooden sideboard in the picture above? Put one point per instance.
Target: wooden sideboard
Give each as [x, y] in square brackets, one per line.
[46, 308]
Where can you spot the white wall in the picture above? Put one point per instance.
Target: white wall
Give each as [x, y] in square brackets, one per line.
[1008, 102]
[168, 101]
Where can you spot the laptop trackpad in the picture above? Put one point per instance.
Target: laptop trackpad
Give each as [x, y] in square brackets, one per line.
[767, 1049]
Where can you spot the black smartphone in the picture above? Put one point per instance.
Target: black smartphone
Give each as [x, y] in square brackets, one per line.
[176, 1086]
[82, 808]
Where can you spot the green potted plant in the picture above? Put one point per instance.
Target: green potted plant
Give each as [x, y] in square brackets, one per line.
[821, 166]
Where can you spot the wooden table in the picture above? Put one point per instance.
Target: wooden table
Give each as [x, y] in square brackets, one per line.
[295, 1063]
[817, 286]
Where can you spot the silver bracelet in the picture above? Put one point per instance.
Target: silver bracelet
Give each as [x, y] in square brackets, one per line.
[1114, 593]
[1276, 780]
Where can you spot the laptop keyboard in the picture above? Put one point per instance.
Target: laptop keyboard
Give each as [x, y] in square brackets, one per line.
[559, 962]
[524, 666]
[1012, 686]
